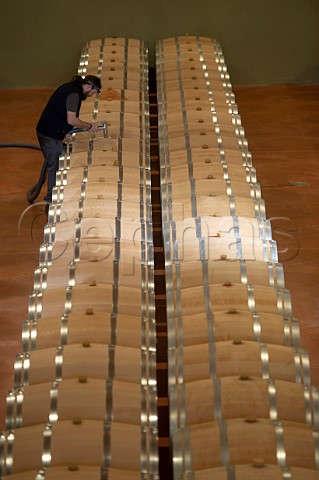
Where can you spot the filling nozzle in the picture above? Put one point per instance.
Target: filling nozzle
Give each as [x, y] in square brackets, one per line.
[103, 126]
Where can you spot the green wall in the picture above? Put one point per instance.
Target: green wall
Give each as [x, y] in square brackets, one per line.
[263, 41]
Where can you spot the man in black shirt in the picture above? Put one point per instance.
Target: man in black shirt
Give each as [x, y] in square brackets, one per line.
[60, 115]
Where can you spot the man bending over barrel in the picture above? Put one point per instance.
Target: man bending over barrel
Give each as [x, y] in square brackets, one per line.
[58, 118]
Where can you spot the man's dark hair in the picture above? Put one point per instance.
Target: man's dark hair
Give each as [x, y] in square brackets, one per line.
[92, 80]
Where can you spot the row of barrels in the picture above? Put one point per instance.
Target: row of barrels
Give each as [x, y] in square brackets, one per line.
[242, 405]
[84, 400]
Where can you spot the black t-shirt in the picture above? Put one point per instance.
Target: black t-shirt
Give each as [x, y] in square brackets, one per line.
[53, 121]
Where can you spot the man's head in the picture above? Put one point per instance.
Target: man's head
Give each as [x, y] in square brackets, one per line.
[91, 85]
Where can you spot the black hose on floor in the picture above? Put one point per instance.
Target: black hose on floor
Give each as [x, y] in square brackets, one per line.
[20, 145]
[33, 192]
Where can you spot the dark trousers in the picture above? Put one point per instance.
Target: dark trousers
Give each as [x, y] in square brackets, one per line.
[51, 150]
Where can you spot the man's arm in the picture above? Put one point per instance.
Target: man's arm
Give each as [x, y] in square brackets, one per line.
[78, 123]
[72, 104]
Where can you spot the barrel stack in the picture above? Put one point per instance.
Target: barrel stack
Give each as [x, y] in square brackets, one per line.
[84, 400]
[241, 401]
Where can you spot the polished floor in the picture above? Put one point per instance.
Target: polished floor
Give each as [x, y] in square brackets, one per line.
[282, 128]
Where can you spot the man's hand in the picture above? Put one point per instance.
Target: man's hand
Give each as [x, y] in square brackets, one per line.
[94, 128]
